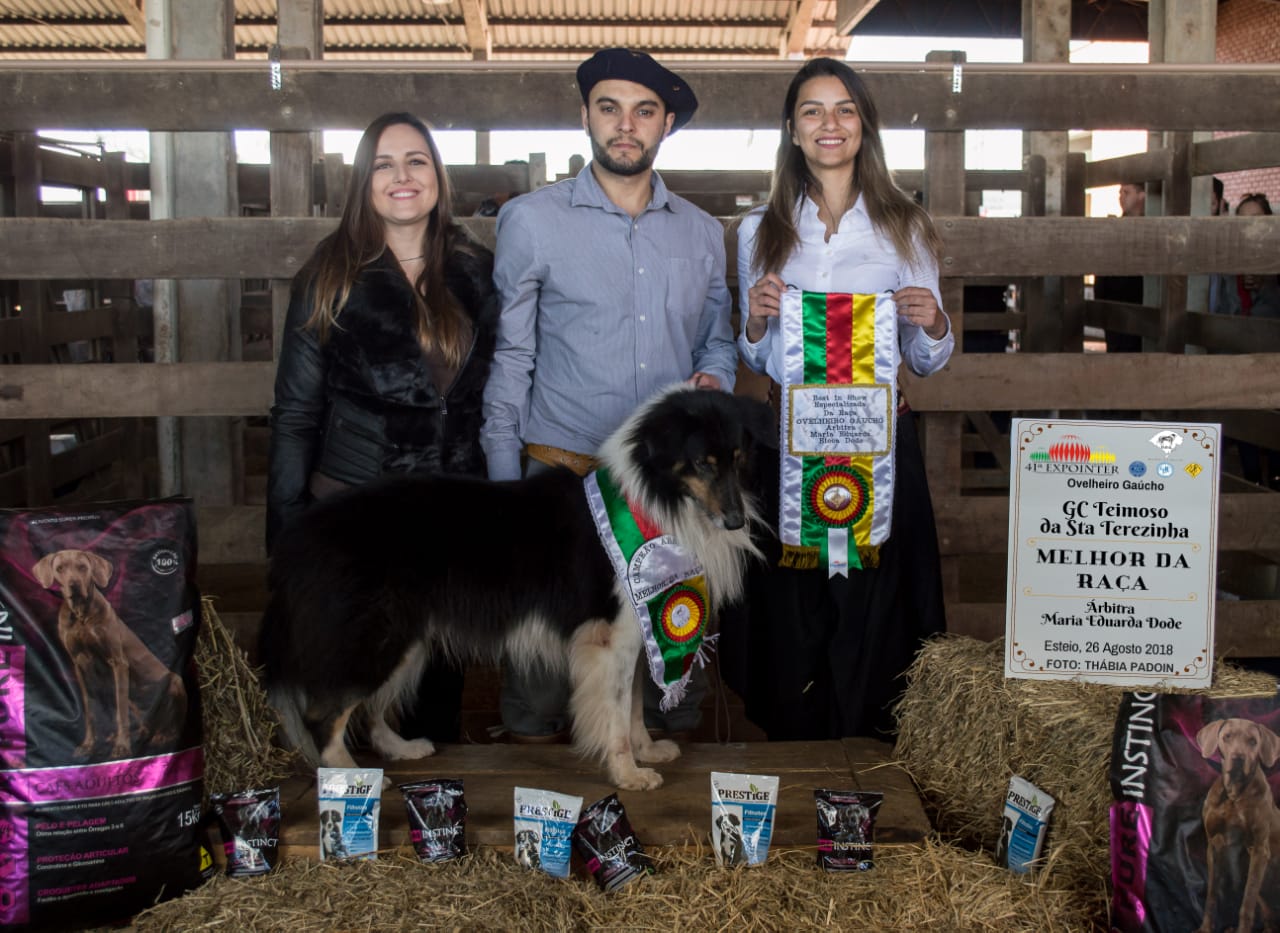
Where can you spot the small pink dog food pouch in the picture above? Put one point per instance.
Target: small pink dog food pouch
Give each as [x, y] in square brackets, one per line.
[1179, 764]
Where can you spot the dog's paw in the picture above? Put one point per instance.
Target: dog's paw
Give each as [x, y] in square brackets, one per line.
[638, 779]
[407, 750]
[658, 752]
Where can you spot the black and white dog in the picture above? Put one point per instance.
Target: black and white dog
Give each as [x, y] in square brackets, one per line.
[367, 582]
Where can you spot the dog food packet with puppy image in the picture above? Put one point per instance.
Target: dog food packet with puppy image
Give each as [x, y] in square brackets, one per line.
[350, 802]
[1026, 819]
[742, 807]
[846, 824]
[437, 818]
[608, 845]
[101, 767]
[1195, 829]
[250, 825]
[544, 824]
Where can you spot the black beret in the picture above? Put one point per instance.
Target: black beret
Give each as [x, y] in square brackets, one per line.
[626, 65]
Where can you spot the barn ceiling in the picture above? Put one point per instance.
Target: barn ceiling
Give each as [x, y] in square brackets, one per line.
[552, 29]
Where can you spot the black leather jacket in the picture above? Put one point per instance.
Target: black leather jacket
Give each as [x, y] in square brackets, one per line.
[364, 404]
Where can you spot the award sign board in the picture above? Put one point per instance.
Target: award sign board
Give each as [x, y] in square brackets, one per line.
[1113, 530]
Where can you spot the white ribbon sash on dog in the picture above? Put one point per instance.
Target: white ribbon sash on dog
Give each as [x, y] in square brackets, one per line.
[665, 584]
[838, 410]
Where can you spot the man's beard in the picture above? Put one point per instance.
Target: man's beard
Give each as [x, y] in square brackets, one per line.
[641, 164]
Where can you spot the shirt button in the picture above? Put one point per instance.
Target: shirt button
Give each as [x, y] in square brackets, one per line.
[642, 317]
[641, 270]
[642, 365]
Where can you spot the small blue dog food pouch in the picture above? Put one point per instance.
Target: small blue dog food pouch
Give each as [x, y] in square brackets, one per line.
[742, 807]
[1026, 818]
[350, 800]
[544, 823]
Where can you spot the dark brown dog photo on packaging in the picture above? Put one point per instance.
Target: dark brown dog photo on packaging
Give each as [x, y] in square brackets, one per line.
[1195, 830]
[101, 768]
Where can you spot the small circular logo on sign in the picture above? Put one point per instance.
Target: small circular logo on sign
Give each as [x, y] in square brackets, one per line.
[164, 562]
[1165, 469]
[1137, 469]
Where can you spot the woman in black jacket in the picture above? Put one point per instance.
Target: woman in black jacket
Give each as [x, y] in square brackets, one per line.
[386, 349]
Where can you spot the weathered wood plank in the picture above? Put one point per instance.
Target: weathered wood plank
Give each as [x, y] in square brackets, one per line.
[235, 95]
[1242, 628]
[980, 524]
[1097, 381]
[969, 382]
[1138, 168]
[239, 247]
[128, 390]
[1123, 317]
[1235, 153]
[1234, 333]
[65, 326]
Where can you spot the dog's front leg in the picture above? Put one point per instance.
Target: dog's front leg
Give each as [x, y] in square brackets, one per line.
[1210, 895]
[82, 666]
[1259, 859]
[602, 660]
[646, 749]
[120, 745]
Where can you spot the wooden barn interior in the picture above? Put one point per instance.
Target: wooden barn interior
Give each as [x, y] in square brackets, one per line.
[117, 398]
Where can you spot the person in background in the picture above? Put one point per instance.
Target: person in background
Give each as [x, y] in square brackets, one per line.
[825, 652]
[387, 344]
[1255, 295]
[1126, 288]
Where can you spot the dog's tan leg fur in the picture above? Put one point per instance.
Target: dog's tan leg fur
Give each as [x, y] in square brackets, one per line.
[335, 753]
[602, 663]
[645, 748]
[400, 686]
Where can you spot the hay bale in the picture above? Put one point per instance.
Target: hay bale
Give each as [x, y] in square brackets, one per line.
[239, 725]
[963, 730]
[909, 888]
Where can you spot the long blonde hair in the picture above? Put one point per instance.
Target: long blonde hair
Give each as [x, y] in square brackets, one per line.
[892, 211]
[360, 240]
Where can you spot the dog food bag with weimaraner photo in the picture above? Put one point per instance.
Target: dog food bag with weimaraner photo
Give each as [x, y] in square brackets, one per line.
[846, 825]
[250, 825]
[350, 802]
[437, 818]
[544, 823]
[742, 807]
[1195, 831]
[608, 845]
[101, 768]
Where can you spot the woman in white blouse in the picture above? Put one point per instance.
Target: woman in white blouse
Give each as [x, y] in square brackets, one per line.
[822, 654]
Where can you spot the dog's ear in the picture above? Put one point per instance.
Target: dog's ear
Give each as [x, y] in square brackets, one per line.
[1207, 737]
[1268, 746]
[43, 570]
[758, 419]
[101, 569]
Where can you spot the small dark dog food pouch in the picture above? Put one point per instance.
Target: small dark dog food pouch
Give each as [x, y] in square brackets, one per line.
[846, 825]
[1194, 786]
[250, 825]
[608, 845]
[101, 767]
[437, 818]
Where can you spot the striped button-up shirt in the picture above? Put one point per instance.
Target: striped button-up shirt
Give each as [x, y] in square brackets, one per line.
[599, 311]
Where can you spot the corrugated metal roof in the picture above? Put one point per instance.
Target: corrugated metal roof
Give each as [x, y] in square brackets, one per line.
[518, 29]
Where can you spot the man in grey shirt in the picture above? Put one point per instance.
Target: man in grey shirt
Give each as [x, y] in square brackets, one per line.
[612, 288]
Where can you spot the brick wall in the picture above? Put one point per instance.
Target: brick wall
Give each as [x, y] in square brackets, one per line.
[1249, 33]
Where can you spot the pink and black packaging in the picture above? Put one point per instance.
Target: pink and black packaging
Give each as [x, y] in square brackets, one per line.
[250, 825]
[101, 768]
[437, 819]
[846, 826]
[608, 846]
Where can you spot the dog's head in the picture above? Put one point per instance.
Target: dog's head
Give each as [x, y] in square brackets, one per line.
[527, 848]
[1244, 745]
[693, 446]
[729, 826]
[75, 573]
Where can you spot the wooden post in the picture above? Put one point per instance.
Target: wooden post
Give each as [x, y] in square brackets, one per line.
[208, 327]
[1073, 286]
[1046, 34]
[34, 297]
[940, 433]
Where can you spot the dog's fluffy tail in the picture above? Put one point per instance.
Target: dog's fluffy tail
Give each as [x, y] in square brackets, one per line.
[289, 702]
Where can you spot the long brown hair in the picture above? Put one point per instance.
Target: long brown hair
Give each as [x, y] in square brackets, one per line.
[892, 211]
[361, 239]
